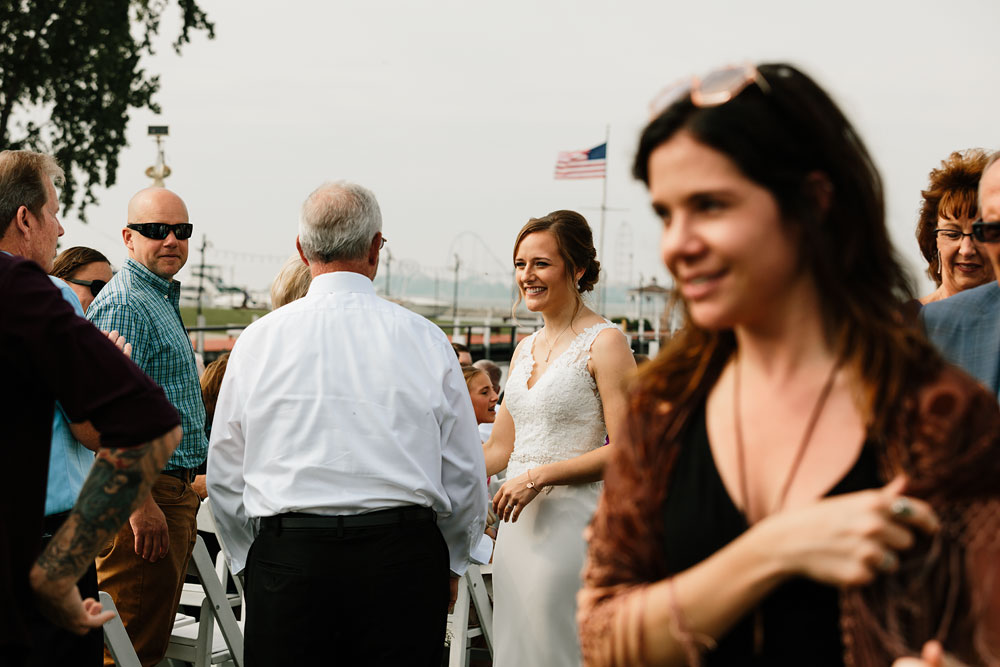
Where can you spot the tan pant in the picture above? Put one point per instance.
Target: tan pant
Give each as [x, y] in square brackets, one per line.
[146, 594]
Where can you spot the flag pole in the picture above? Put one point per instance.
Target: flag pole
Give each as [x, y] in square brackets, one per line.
[604, 208]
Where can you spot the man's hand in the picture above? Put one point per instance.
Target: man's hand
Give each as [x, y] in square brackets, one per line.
[150, 528]
[61, 604]
[452, 591]
[119, 342]
[199, 486]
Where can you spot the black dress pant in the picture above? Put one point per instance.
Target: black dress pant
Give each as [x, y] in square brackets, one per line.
[351, 596]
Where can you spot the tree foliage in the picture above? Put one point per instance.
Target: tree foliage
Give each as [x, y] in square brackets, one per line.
[70, 70]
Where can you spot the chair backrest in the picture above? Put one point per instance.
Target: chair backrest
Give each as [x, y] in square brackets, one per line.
[202, 566]
[206, 523]
[116, 638]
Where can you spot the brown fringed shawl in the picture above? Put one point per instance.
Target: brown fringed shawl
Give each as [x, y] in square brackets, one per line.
[945, 437]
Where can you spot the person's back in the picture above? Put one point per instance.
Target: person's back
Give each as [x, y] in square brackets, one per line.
[399, 370]
[344, 430]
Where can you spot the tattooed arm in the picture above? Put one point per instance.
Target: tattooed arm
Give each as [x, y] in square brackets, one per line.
[119, 480]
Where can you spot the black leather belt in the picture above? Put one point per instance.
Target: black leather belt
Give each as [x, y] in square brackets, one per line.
[183, 474]
[388, 517]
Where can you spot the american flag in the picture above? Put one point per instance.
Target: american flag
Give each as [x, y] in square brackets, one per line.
[582, 164]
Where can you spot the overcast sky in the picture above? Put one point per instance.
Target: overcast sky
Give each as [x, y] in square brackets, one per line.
[453, 112]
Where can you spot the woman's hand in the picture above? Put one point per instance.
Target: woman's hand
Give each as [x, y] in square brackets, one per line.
[932, 655]
[513, 496]
[848, 540]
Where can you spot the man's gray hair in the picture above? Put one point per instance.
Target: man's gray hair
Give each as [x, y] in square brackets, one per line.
[339, 220]
[23, 178]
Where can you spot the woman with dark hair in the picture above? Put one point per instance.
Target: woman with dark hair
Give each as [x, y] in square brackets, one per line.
[85, 270]
[802, 480]
[944, 230]
[565, 391]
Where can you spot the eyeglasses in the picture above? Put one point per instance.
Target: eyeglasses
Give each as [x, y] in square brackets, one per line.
[160, 230]
[953, 235]
[382, 244]
[95, 285]
[712, 90]
[986, 232]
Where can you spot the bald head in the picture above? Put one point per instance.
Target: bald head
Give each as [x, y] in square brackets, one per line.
[989, 209]
[164, 257]
[150, 204]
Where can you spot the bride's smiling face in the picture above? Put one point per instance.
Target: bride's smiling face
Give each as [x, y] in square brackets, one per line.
[541, 273]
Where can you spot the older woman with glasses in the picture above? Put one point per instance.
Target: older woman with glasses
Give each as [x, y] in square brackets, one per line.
[85, 270]
[955, 261]
[801, 479]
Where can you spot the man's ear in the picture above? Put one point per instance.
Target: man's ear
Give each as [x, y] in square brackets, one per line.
[127, 237]
[374, 248]
[302, 255]
[22, 222]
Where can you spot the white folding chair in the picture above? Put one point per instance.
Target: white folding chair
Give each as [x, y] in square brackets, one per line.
[216, 637]
[116, 637]
[471, 589]
[193, 594]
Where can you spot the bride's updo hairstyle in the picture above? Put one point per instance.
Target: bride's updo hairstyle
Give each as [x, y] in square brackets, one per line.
[576, 248]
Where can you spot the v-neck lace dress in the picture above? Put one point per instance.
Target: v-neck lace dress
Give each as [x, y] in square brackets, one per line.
[538, 559]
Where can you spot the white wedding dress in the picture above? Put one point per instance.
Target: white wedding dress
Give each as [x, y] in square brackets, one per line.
[538, 559]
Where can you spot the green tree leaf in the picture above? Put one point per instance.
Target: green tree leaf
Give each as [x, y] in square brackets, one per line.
[69, 74]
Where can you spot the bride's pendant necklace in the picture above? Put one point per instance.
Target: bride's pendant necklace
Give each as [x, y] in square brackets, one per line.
[758, 616]
[553, 343]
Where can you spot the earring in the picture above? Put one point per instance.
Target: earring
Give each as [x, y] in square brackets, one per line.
[937, 256]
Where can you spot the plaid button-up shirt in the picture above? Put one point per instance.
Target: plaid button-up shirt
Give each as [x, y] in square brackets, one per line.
[145, 309]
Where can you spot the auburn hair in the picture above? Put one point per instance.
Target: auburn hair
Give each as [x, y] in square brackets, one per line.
[952, 192]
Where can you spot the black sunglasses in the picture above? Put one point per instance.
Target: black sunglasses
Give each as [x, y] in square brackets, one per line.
[95, 285]
[160, 230]
[986, 232]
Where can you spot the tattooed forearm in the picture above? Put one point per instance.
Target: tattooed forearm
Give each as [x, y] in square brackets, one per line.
[119, 479]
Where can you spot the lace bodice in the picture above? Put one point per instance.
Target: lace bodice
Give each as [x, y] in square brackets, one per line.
[561, 416]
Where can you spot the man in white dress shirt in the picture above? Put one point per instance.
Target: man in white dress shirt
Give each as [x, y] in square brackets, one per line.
[344, 430]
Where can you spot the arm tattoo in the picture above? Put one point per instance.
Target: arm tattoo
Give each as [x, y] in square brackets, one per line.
[118, 480]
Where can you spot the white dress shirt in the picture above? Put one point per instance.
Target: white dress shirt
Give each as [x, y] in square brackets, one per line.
[343, 403]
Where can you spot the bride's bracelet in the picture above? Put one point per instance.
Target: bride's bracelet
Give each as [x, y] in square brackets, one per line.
[531, 483]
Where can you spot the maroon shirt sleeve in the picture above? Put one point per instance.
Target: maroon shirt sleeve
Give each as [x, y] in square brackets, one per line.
[69, 359]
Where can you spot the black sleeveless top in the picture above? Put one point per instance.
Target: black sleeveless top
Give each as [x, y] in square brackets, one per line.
[801, 618]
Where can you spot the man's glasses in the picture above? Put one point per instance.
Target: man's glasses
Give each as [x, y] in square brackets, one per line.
[160, 230]
[95, 285]
[382, 244]
[953, 235]
[712, 90]
[986, 232]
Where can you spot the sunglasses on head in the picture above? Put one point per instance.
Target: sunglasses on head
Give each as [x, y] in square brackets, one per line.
[711, 90]
[160, 230]
[95, 285]
[986, 232]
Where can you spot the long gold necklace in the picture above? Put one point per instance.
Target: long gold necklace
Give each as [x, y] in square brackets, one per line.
[796, 462]
[550, 346]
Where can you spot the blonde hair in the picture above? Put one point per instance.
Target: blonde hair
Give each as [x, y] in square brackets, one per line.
[472, 371]
[291, 283]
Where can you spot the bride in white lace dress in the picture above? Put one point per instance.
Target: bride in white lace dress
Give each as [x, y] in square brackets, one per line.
[564, 393]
